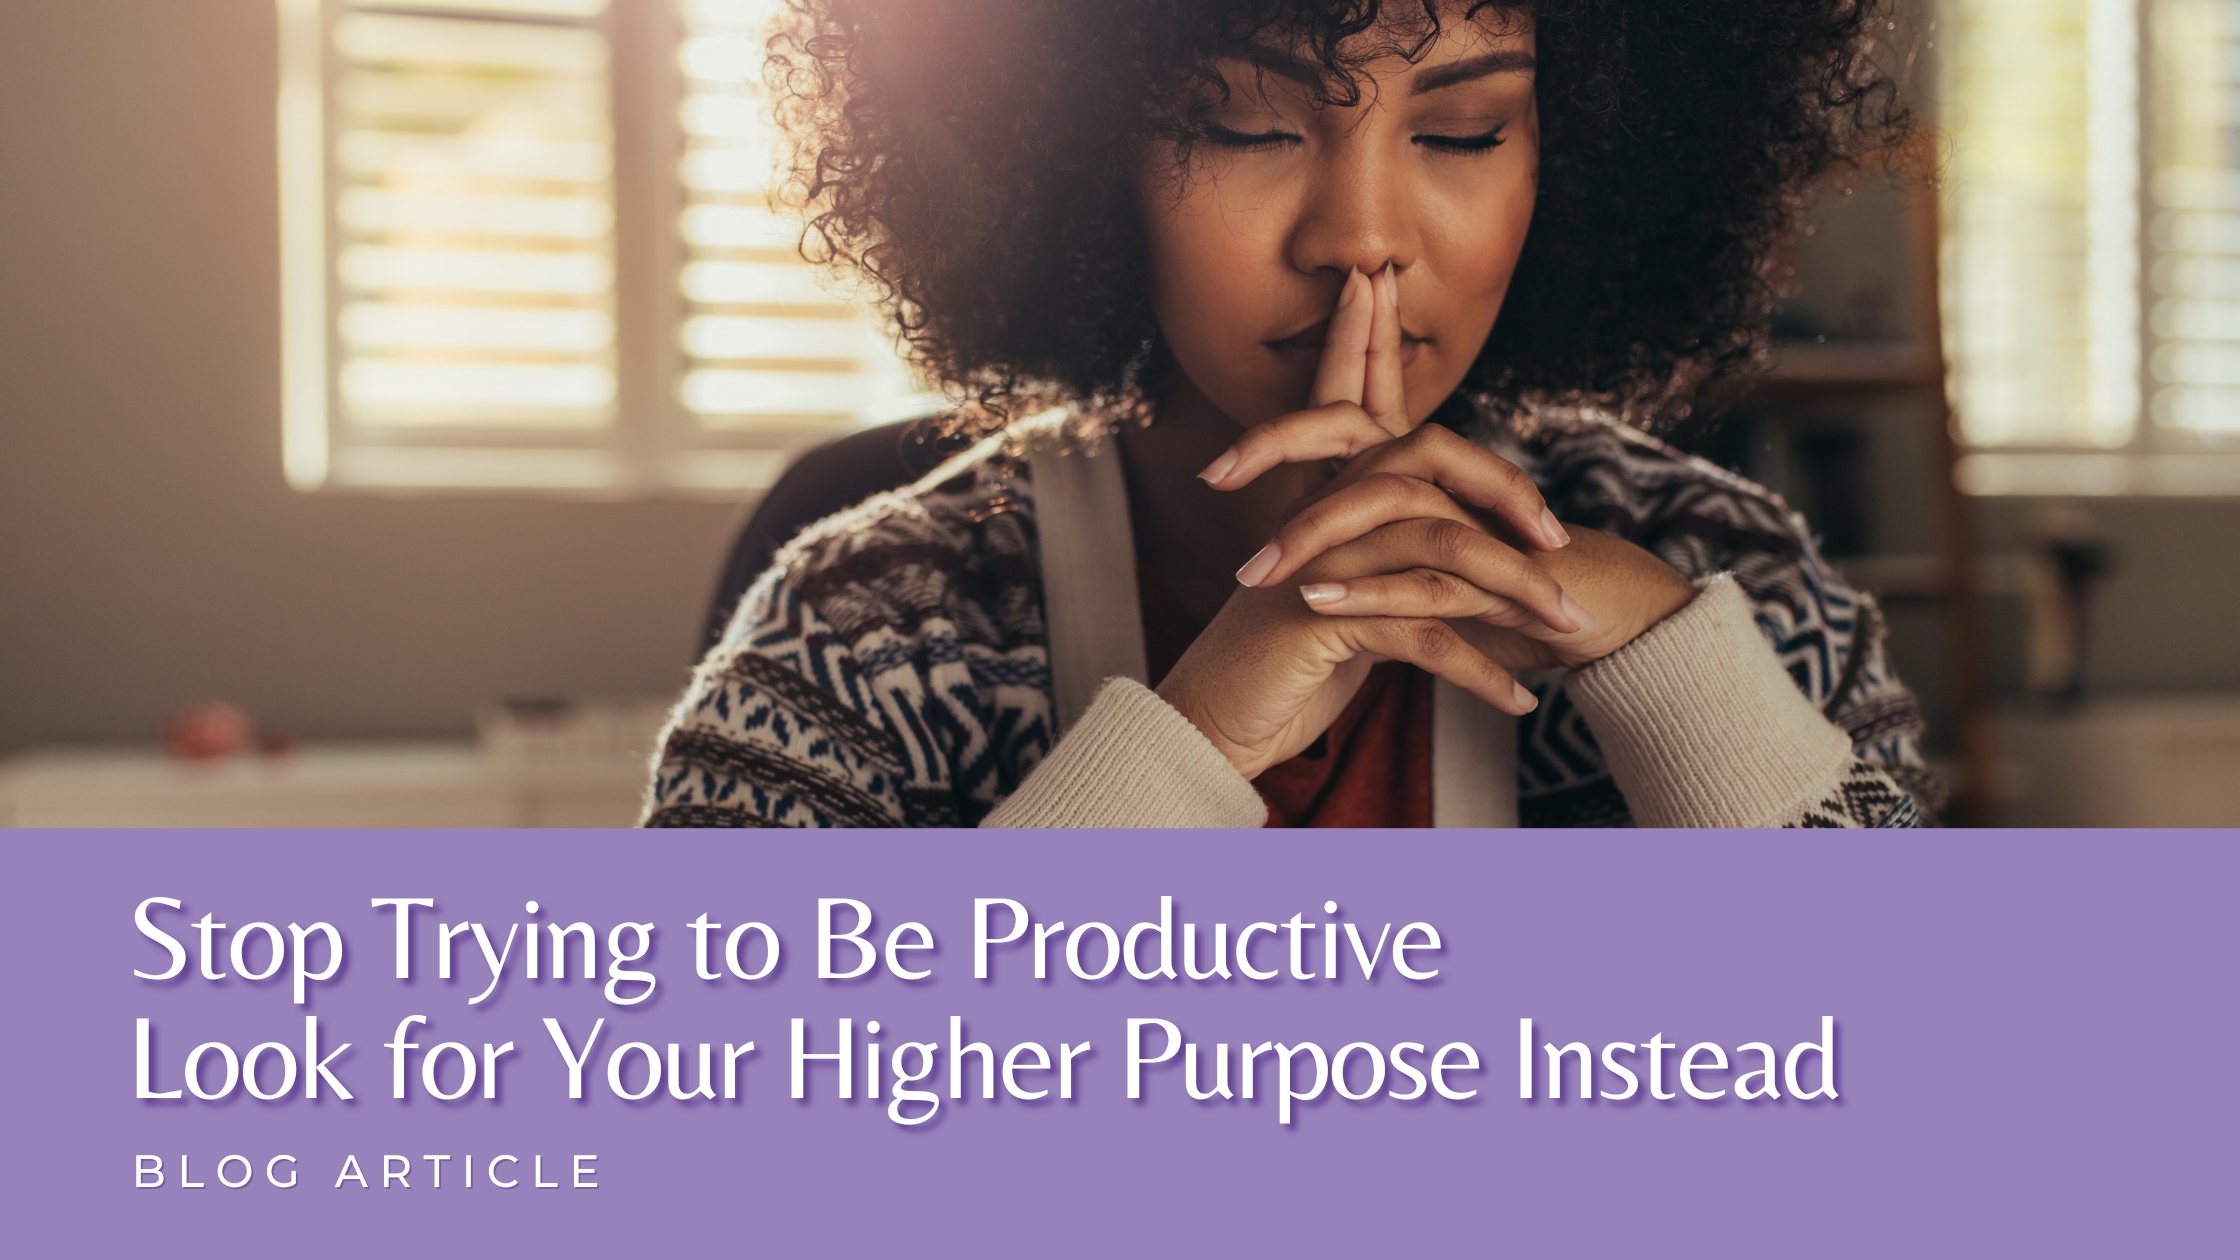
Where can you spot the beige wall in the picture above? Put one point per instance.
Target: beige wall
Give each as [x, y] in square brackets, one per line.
[150, 554]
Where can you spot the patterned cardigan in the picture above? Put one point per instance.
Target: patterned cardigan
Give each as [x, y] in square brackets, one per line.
[889, 669]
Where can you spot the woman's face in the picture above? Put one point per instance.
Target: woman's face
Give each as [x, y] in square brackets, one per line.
[1432, 172]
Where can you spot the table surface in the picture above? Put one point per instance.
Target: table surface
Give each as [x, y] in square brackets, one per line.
[419, 784]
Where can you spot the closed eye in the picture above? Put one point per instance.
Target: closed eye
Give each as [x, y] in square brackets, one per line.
[1248, 140]
[1479, 143]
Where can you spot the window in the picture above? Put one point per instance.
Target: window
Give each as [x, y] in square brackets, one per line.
[2092, 244]
[532, 244]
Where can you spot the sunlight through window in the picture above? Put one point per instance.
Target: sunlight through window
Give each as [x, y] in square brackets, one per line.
[488, 281]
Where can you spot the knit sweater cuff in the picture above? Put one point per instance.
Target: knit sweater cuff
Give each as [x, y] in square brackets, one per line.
[1132, 761]
[1701, 726]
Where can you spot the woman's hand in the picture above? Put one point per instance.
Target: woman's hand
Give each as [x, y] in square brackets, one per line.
[1406, 547]
[1430, 524]
[1272, 672]
[1419, 569]
[1359, 404]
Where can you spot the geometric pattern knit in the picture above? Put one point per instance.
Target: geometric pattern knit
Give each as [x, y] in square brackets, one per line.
[1701, 519]
[891, 669]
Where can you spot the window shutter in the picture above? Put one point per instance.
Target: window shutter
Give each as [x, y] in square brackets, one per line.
[2041, 245]
[2194, 219]
[454, 282]
[775, 354]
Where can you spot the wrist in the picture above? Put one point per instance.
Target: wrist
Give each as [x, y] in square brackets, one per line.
[1637, 609]
[1176, 690]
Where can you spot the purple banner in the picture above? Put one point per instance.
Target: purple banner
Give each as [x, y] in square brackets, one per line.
[1848, 1045]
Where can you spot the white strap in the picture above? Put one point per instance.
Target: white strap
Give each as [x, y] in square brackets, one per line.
[1088, 573]
[1473, 761]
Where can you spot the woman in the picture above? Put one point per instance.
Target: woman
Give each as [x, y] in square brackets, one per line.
[1309, 321]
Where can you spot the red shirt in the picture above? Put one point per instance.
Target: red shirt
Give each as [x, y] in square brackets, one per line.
[1372, 768]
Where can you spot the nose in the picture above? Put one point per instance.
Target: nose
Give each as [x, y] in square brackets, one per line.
[1353, 211]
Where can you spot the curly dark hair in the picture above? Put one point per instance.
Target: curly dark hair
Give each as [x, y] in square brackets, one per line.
[975, 159]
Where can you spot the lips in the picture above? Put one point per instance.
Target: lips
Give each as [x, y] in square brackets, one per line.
[1304, 348]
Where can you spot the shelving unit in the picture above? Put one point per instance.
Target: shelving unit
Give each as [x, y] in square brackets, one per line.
[1910, 367]
[1862, 366]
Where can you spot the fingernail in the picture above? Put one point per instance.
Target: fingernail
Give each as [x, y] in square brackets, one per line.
[1526, 699]
[1219, 468]
[1578, 614]
[1262, 563]
[1553, 529]
[1348, 292]
[1323, 592]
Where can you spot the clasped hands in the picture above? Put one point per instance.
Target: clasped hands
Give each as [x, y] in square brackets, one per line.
[1422, 547]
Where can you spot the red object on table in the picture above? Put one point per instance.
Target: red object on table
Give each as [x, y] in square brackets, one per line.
[208, 732]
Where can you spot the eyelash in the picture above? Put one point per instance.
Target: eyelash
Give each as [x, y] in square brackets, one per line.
[1483, 142]
[1252, 142]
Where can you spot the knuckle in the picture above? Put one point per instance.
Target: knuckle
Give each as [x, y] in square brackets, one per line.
[1366, 452]
[1504, 613]
[1517, 479]
[1281, 430]
[1426, 495]
[1312, 521]
[1390, 487]
[1449, 541]
[1538, 583]
[1364, 435]
[1261, 441]
[1432, 639]
[1430, 582]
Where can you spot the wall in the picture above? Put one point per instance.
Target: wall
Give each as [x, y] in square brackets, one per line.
[150, 554]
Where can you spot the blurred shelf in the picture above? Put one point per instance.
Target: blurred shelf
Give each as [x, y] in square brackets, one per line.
[1897, 577]
[1852, 365]
[1927, 577]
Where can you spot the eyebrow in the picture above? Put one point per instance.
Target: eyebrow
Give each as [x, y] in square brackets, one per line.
[1283, 64]
[1430, 79]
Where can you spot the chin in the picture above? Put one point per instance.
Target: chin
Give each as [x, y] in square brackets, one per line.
[1258, 401]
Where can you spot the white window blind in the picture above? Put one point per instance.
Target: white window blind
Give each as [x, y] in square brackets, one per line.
[771, 346]
[2041, 242]
[2091, 252]
[461, 241]
[2195, 217]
